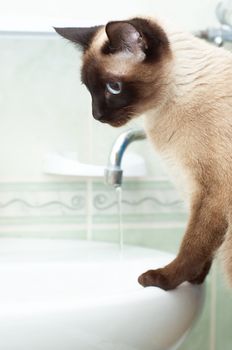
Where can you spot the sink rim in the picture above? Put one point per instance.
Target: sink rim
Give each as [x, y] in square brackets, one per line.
[123, 296]
[54, 320]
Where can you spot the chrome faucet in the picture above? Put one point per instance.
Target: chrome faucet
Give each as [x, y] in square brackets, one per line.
[223, 33]
[217, 35]
[113, 171]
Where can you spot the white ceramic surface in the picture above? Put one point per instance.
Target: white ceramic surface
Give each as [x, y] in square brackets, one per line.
[76, 295]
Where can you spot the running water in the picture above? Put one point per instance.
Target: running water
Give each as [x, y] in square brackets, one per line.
[119, 203]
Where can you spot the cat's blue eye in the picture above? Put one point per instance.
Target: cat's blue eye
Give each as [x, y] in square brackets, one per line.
[114, 88]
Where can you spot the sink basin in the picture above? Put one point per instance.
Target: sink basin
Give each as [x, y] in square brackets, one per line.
[70, 294]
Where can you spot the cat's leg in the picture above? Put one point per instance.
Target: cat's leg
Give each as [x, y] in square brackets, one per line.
[205, 233]
[202, 275]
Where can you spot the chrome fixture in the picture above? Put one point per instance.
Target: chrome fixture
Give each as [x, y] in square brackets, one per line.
[217, 35]
[223, 33]
[113, 171]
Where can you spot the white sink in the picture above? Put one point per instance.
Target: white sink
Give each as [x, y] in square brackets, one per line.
[76, 295]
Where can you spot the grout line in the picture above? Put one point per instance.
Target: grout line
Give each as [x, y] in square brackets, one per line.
[213, 312]
[89, 219]
[140, 225]
[89, 208]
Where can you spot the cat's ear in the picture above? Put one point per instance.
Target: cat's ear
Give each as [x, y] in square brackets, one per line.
[124, 36]
[81, 36]
[138, 35]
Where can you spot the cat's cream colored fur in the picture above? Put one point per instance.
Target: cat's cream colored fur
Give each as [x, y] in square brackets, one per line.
[192, 127]
[189, 122]
[184, 87]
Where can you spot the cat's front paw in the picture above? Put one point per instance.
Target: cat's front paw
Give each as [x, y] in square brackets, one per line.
[155, 278]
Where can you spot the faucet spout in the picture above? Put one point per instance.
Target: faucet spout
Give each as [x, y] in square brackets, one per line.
[113, 171]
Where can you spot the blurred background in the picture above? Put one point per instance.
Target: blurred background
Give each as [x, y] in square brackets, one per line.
[45, 109]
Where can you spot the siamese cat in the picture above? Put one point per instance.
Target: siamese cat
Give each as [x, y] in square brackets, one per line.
[183, 86]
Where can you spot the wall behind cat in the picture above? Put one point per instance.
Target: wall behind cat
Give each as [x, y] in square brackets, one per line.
[188, 14]
[43, 106]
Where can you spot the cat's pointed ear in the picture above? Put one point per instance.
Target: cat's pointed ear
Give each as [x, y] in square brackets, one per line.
[138, 35]
[124, 36]
[81, 36]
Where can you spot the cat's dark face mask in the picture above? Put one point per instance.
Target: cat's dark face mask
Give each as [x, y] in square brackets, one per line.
[114, 98]
[118, 66]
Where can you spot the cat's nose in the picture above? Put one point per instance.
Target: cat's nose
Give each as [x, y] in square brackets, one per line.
[96, 111]
[97, 114]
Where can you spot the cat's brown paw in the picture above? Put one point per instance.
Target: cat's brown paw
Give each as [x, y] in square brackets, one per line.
[155, 278]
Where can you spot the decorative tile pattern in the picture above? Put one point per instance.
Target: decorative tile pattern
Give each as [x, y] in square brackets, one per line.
[46, 203]
[75, 203]
[143, 202]
[43, 209]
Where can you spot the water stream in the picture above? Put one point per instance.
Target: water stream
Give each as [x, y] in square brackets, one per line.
[120, 229]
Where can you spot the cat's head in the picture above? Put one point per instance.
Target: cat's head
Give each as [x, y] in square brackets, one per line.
[123, 67]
